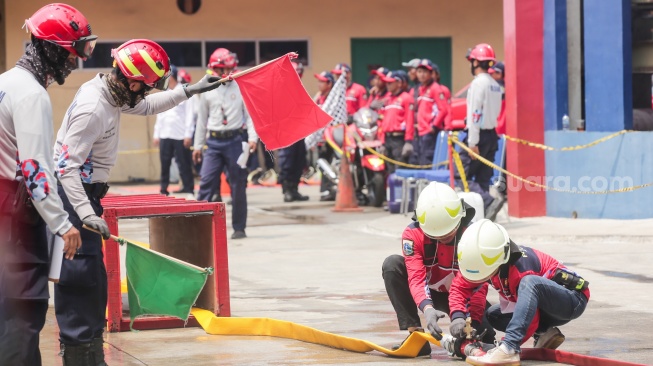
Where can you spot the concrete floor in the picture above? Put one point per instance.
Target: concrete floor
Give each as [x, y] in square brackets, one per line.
[305, 264]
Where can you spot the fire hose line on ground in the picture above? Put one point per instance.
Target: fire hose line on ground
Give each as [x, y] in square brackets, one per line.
[409, 349]
[568, 148]
[494, 166]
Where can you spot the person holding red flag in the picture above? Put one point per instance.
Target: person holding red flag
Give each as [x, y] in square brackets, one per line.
[355, 94]
[60, 34]
[431, 111]
[397, 128]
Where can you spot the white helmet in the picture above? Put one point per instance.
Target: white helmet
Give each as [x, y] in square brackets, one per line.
[439, 210]
[483, 247]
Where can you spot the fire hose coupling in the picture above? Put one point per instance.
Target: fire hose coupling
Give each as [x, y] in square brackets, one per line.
[470, 345]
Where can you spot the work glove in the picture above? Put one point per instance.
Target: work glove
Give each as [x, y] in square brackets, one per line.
[407, 150]
[432, 316]
[97, 223]
[207, 83]
[457, 328]
[377, 104]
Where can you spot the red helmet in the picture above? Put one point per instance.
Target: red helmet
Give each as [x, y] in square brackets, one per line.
[183, 76]
[143, 60]
[222, 57]
[64, 26]
[481, 52]
[299, 67]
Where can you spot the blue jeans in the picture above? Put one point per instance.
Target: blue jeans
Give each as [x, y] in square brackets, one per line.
[222, 155]
[557, 304]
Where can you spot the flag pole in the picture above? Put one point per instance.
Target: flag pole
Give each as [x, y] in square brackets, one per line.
[252, 69]
[118, 239]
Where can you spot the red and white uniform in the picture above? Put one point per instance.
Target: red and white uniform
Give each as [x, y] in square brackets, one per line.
[398, 116]
[432, 108]
[524, 262]
[432, 265]
[355, 98]
[449, 117]
[376, 96]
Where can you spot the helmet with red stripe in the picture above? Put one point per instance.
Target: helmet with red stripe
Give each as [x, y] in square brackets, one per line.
[223, 58]
[64, 26]
[143, 60]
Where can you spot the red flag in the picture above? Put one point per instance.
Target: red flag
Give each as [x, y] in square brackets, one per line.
[281, 109]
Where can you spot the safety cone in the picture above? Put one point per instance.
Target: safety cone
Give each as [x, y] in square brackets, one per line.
[225, 190]
[346, 196]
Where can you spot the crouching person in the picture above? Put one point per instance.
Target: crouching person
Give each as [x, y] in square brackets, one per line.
[537, 292]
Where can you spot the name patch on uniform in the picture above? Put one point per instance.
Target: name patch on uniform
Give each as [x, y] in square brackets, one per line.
[408, 247]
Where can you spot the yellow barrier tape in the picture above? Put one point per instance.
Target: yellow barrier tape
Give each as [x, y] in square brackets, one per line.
[289, 330]
[568, 148]
[459, 166]
[494, 166]
[399, 163]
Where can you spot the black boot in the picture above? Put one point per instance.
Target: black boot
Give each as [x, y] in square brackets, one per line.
[98, 351]
[295, 193]
[287, 192]
[79, 355]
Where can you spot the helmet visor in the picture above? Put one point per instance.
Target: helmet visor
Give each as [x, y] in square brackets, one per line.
[162, 84]
[85, 46]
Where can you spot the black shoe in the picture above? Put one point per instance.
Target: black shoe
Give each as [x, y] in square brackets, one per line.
[327, 196]
[79, 355]
[184, 191]
[494, 207]
[288, 197]
[165, 193]
[216, 198]
[425, 351]
[97, 351]
[239, 234]
[298, 196]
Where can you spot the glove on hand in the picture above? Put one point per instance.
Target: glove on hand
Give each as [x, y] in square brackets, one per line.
[407, 150]
[377, 104]
[207, 83]
[457, 328]
[97, 223]
[432, 316]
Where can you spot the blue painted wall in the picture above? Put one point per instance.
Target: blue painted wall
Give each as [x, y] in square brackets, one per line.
[608, 65]
[556, 88]
[609, 165]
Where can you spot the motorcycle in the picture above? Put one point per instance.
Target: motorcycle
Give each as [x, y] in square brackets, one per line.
[353, 140]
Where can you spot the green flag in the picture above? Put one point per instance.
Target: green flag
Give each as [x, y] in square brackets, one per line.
[161, 285]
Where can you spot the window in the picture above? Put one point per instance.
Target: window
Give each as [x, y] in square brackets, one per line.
[246, 51]
[195, 54]
[269, 50]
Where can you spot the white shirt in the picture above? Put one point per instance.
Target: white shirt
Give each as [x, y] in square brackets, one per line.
[224, 104]
[25, 143]
[173, 123]
[87, 142]
[483, 106]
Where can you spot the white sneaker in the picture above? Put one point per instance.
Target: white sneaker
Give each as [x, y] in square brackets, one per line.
[551, 339]
[499, 356]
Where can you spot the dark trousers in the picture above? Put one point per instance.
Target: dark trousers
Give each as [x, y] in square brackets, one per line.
[80, 297]
[557, 305]
[395, 277]
[169, 148]
[478, 174]
[393, 147]
[24, 294]
[414, 157]
[427, 147]
[292, 161]
[326, 152]
[222, 155]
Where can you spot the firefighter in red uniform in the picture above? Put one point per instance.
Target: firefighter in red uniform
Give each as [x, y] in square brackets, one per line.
[431, 111]
[379, 90]
[422, 276]
[537, 292]
[325, 151]
[413, 90]
[447, 97]
[397, 128]
[355, 95]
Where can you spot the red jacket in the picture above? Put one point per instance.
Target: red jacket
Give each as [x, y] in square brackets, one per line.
[355, 98]
[398, 116]
[449, 117]
[377, 96]
[432, 265]
[432, 108]
[524, 261]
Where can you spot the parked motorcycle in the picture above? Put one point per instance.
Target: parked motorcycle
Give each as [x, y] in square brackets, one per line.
[368, 170]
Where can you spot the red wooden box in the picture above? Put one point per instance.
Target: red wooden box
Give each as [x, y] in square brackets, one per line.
[193, 231]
